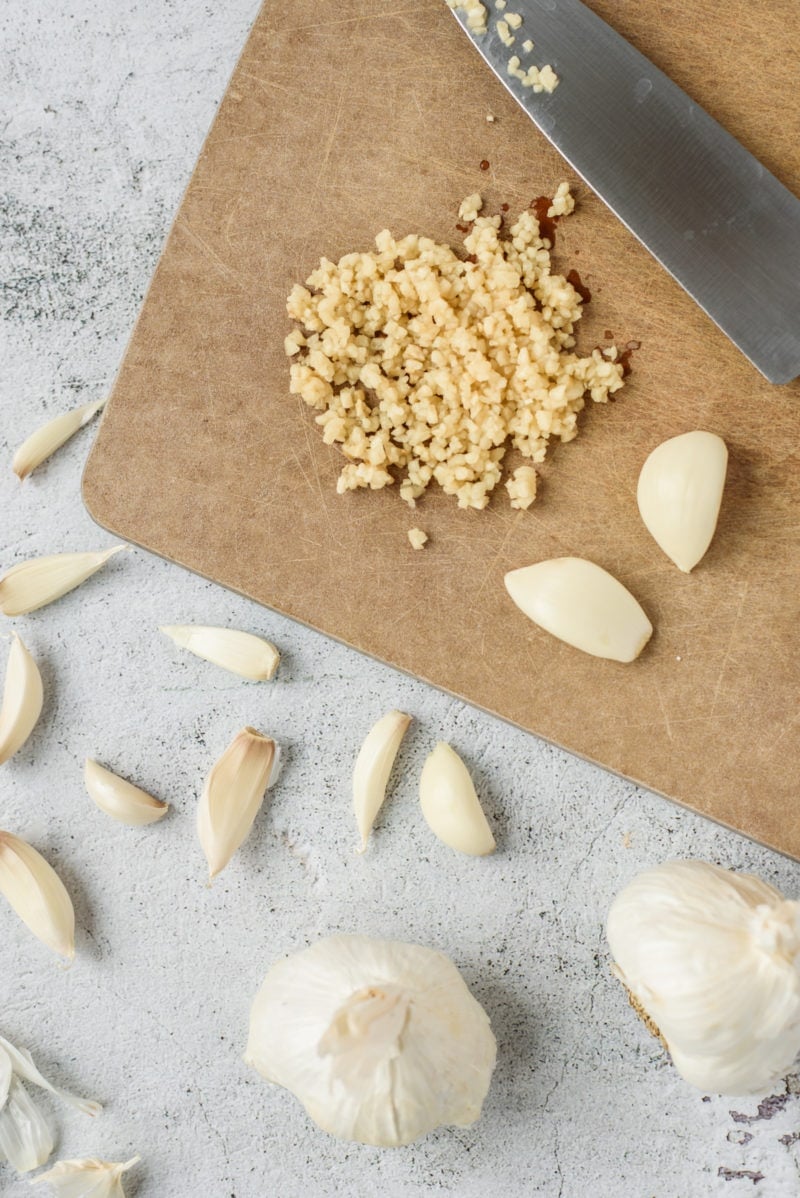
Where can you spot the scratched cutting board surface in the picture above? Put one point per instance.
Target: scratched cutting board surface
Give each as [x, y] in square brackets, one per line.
[347, 116]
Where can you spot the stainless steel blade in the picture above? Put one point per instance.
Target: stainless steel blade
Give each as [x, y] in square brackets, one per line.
[712, 215]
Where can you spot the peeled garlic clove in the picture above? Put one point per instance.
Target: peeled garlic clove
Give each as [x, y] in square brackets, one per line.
[41, 580]
[242, 653]
[373, 767]
[582, 604]
[381, 1041]
[450, 804]
[50, 437]
[232, 796]
[680, 492]
[37, 894]
[22, 700]
[120, 799]
[712, 957]
[87, 1179]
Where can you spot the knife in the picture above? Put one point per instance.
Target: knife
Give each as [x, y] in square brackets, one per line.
[708, 211]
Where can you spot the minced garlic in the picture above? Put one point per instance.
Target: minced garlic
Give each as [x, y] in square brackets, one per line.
[423, 365]
[469, 208]
[521, 487]
[563, 201]
[417, 537]
[476, 14]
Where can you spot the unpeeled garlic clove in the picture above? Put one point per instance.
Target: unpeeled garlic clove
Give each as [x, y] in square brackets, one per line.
[50, 437]
[582, 604]
[41, 580]
[233, 794]
[87, 1178]
[680, 492]
[120, 799]
[242, 653]
[37, 894]
[450, 805]
[22, 700]
[373, 767]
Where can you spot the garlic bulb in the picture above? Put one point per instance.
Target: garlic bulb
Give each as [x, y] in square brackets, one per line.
[680, 493]
[22, 700]
[450, 805]
[381, 1041]
[713, 959]
[25, 1137]
[37, 894]
[87, 1179]
[373, 767]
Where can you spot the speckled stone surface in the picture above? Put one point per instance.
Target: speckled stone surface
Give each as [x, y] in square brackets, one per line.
[104, 107]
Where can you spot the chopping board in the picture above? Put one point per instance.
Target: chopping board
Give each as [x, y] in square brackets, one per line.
[345, 117]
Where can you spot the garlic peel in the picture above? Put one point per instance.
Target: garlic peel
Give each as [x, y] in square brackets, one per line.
[232, 796]
[381, 1041]
[50, 437]
[87, 1178]
[41, 580]
[242, 653]
[22, 700]
[450, 805]
[680, 492]
[583, 605]
[34, 890]
[373, 767]
[713, 958]
[121, 799]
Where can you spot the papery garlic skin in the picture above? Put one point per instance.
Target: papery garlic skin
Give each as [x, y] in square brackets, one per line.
[450, 805]
[680, 493]
[25, 1137]
[583, 605]
[121, 799]
[23, 696]
[34, 890]
[41, 580]
[242, 653]
[373, 767]
[233, 794]
[50, 437]
[381, 1041]
[713, 958]
[87, 1178]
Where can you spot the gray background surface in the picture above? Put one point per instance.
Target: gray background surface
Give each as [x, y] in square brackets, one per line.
[103, 108]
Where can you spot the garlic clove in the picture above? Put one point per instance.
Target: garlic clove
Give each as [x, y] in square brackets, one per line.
[22, 700]
[37, 894]
[451, 806]
[50, 437]
[680, 493]
[583, 605]
[373, 767]
[120, 799]
[87, 1178]
[41, 580]
[232, 796]
[242, 653]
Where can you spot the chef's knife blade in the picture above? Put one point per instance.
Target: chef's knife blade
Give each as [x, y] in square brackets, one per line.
[713, 216]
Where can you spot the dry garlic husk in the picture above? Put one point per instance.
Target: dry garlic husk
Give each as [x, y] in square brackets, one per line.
[41, 580]
[242, 653]
[381, 1041]
[713, 959]
[373, 767]
[87, 1179]
[582, 604]
[680, 492]
[50, 437]
[233, 794]
[120, 799]
[451, 806]
[22, 700]
[26, 1141]
[37, 894]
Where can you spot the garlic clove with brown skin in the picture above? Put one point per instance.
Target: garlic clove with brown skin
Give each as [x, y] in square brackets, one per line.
[680, 493]
[41, 580]
[373, 768]
[23, 696]
[450, 805]
[34, 890]
[121, 799]
[233, 794]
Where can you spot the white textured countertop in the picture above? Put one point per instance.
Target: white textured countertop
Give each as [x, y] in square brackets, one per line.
[104, 105]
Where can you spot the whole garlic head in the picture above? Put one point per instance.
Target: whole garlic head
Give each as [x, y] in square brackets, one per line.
[381, 1041]
[713, 958]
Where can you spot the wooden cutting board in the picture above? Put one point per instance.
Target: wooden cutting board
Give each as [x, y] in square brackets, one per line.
[347, 116]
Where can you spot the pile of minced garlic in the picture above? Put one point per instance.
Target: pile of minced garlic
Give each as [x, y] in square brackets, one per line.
[428, 365]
